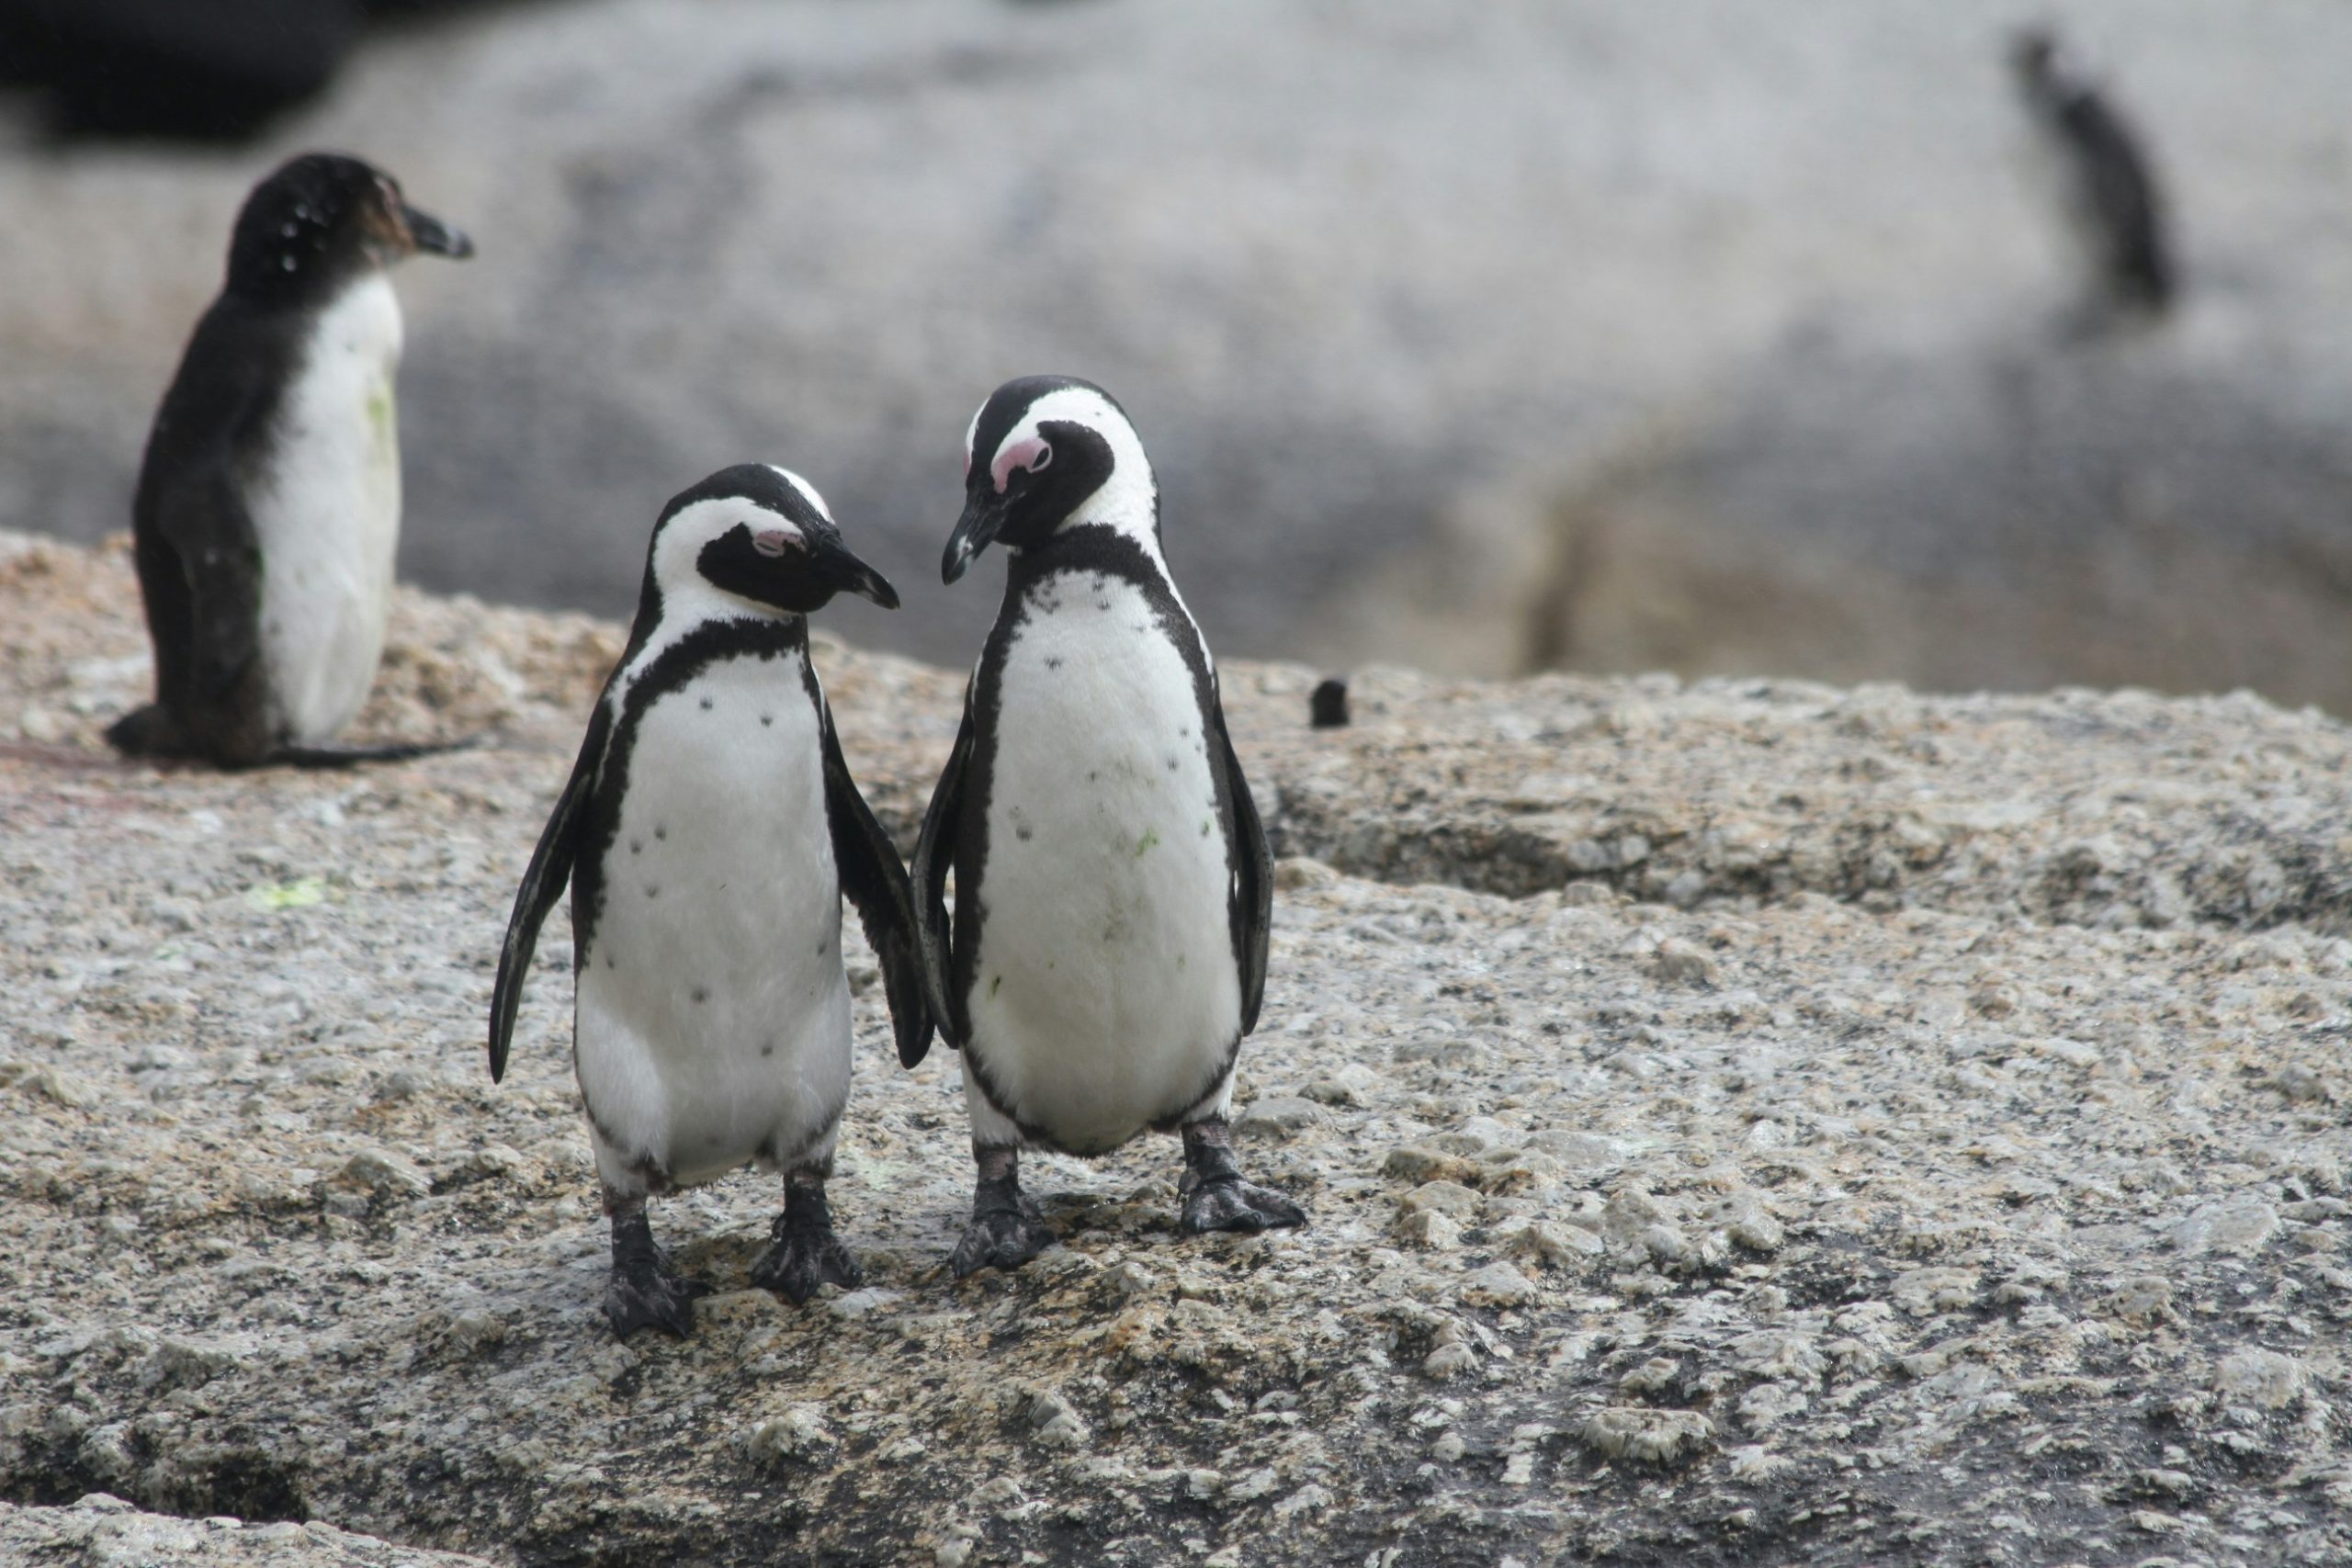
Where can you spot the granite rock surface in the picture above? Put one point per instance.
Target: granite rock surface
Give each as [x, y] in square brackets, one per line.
[1756, 1123]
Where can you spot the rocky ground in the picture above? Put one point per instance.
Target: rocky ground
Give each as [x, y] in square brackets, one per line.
[1754, 1123]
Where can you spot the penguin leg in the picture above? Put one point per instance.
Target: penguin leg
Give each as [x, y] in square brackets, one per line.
[644, 1291]
[1006, 1230]
[803, 1253]
[1215, 1198]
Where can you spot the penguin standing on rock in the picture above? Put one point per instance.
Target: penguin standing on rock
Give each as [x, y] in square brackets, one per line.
[708, 834]
[269, 508]
[1113, 883]
[2106, 186]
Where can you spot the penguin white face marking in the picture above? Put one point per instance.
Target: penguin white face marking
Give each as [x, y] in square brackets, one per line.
[1127, 499]
[752, 541]
[1046, 454]
[677, 558]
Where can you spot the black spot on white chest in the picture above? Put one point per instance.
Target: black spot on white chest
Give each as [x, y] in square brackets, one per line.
[723, 805]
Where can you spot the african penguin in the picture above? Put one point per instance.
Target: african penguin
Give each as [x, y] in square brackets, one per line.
[269, 506]
[708, 834]
[1113, 883]
[2107, 190]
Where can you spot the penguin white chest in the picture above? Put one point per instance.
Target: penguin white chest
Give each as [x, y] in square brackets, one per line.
[713, 1014]
[1105, 994]
[327, 513]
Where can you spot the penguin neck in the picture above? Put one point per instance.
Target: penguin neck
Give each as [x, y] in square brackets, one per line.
[292, 279]
[1096, 548]
[709, 623]
[1127, 508]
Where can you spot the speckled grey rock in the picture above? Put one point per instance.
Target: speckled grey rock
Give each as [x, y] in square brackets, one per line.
[103, 1531]
[1959, 1205]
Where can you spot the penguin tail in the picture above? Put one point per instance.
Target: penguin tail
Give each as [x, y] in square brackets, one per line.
[359, 756]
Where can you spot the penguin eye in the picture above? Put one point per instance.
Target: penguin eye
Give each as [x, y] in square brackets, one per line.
[1044, 456]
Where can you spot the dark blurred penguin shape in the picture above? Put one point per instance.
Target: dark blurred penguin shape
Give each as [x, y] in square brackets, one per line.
[268, 508]
[708, 834]
[1112, 884]
[2107, 188]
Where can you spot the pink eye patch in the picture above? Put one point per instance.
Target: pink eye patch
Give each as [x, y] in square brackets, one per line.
[1031, 452]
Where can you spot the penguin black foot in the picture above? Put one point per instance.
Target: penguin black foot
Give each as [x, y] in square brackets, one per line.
[1006, 1230]
[1216, 1197]
[803, 1253]
[145, 733]
[644, 1291]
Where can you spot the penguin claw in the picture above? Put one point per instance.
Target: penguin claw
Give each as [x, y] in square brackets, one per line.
[1229, 1204]
[1001, 1238]
[797, 1261]
[651, 1295]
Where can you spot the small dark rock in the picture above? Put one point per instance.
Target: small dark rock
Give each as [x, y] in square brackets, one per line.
[1328, 709]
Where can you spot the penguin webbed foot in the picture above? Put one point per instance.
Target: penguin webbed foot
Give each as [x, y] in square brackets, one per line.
[803, 1252]
[1007, 1229]
[1216, 1197]
[644, 1291]
[145, 733]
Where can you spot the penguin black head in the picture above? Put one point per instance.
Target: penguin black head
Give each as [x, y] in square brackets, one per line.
[1046, 452]
[323, 220]
[2041, 64]
[752, 539]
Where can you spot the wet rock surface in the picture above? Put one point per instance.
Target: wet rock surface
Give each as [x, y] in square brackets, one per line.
[1741, 1125]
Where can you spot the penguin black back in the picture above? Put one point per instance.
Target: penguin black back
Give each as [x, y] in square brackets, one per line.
[276, 439]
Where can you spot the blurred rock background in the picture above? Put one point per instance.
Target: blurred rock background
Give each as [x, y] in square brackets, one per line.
[1487, 337]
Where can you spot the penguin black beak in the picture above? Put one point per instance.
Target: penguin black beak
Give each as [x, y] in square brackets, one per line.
[846, 573]
[983, 519]
[431, 234]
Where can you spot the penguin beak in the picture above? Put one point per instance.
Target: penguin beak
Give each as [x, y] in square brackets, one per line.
[983, 518]
[846, 573]
[431, 234]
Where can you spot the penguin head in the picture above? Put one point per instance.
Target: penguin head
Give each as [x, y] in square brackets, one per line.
[323, 220]
[2037, 57]
[1046, 453]
[754, 539]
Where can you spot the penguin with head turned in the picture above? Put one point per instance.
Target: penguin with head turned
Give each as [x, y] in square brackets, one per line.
[268, 507]
[1107, 951]
[708, 834]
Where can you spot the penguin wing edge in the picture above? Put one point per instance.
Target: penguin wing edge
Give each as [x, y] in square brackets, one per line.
[204, 529]
[875, 880]
[935, 854]
[543, 884]
[1252, 902]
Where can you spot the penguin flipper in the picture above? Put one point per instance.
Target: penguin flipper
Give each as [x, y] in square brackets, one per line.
[543, 884]
[1251, 903]
[934, 855]
[875, 880]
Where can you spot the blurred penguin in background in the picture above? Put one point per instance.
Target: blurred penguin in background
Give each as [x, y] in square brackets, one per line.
[2105, 189]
